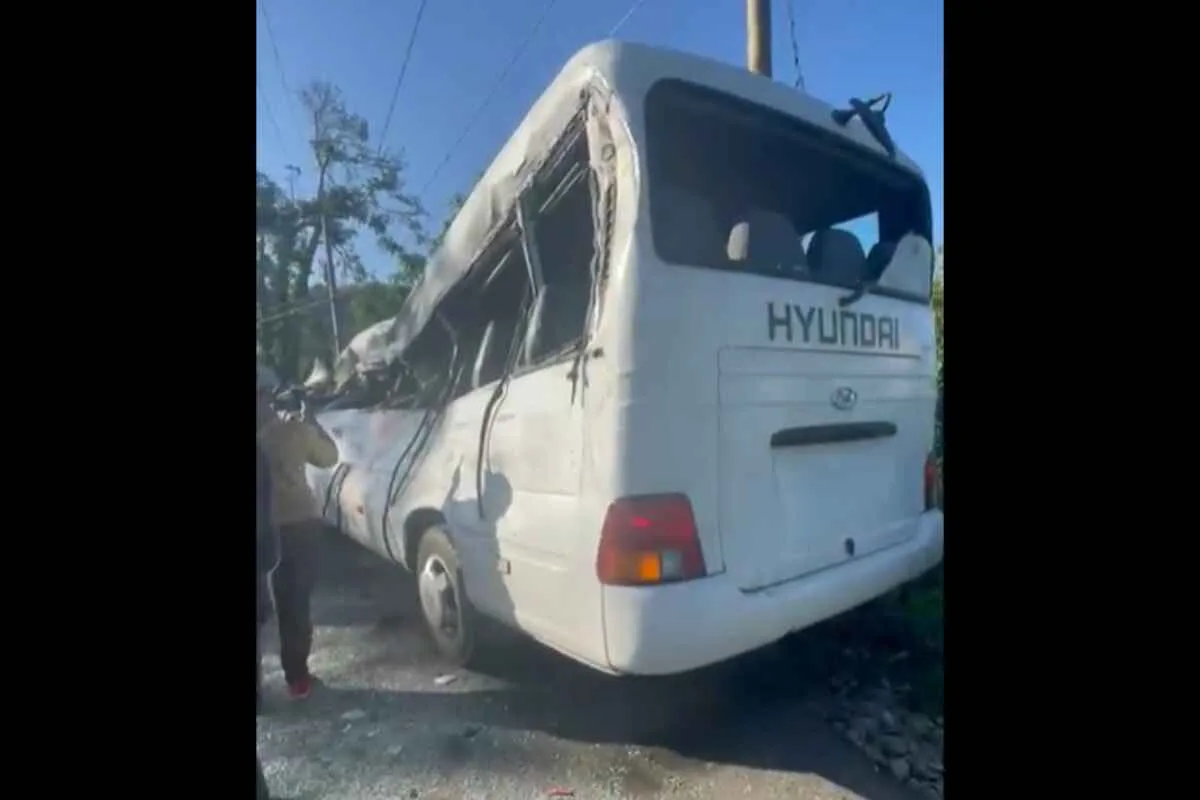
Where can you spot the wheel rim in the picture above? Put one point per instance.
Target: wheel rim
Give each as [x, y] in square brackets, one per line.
[439, 600]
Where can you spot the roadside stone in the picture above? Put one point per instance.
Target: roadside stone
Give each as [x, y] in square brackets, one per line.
[880, 722]
[927, 761]
[920, 725]
[929, 788]
[863, 729]
[894, 745]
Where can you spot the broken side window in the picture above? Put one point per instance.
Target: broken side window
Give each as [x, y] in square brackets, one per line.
[420, 377]
[486, 311]
[564, 233]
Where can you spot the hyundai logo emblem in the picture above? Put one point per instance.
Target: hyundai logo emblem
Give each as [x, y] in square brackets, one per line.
[844, 398]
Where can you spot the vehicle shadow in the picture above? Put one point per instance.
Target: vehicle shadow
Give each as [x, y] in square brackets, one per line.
[356, 588]
[756, 711]
[477, 520]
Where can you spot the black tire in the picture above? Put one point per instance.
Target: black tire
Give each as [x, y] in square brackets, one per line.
[457, 643]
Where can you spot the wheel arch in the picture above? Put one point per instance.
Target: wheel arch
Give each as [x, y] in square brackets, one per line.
[416, 523]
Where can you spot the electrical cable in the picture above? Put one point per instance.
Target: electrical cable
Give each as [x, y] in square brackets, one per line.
[477, 114]
[795, 43]
[408, 51]
[271, 115]
[629, 13]
[300, 308]
[275, 49]
[633, 8]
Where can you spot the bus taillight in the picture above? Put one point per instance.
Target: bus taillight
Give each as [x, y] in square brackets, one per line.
[648, 540]
[933, 484]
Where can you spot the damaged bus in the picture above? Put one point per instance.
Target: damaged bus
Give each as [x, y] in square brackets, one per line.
[666, 393]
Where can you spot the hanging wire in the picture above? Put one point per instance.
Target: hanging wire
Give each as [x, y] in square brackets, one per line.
[408, 51]
[791, 7]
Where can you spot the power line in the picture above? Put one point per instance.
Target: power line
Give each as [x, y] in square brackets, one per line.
[289, 98]
[621, 23]
[274, 47]
[271, 115]
[293, 310]
[408, 50]
[302, 306]
[633, 8]
[791, 7]
[478, 113]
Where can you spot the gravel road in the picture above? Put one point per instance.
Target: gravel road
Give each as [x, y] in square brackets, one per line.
[390, 721]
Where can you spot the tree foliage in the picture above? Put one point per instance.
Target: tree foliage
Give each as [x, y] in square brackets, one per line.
[306, 243]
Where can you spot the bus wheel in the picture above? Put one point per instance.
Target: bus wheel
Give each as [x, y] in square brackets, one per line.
[448, 613]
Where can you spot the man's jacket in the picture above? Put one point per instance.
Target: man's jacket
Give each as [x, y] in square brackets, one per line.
[268, 543]
[290, 445]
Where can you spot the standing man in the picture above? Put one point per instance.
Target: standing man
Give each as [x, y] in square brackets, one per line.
[267, 557]
[289, 445]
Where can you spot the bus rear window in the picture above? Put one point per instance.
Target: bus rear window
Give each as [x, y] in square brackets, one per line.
[736, 186]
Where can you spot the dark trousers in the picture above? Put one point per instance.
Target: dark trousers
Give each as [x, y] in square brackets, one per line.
[264, 613]
[292, 584]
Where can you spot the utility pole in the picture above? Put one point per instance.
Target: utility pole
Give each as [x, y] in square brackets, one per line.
[331, 284]
[758, 36]
[323, 159]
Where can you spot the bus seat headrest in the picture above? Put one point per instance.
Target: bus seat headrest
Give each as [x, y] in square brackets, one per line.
[766, 240]
[837, 256]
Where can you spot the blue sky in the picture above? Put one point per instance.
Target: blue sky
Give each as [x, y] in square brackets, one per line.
[847, 48]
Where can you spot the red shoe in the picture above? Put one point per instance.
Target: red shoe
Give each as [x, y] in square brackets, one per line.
[300, 689]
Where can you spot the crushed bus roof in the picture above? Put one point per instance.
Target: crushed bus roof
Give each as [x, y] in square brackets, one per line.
[611, 70]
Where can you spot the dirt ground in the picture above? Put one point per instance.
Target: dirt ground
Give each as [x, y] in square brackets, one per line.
[390, 721]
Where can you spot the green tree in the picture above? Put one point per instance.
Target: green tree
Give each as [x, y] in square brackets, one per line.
[363, 303]
[308, 240]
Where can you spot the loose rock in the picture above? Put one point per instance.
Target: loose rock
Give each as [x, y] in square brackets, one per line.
[920, 725]
[894, 745]
[908, 744]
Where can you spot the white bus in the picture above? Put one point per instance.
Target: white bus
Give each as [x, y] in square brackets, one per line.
[666, 394]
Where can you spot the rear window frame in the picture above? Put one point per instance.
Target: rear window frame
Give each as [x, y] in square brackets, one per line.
[820, 139]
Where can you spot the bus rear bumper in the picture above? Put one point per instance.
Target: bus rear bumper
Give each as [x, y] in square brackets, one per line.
[670, 629]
